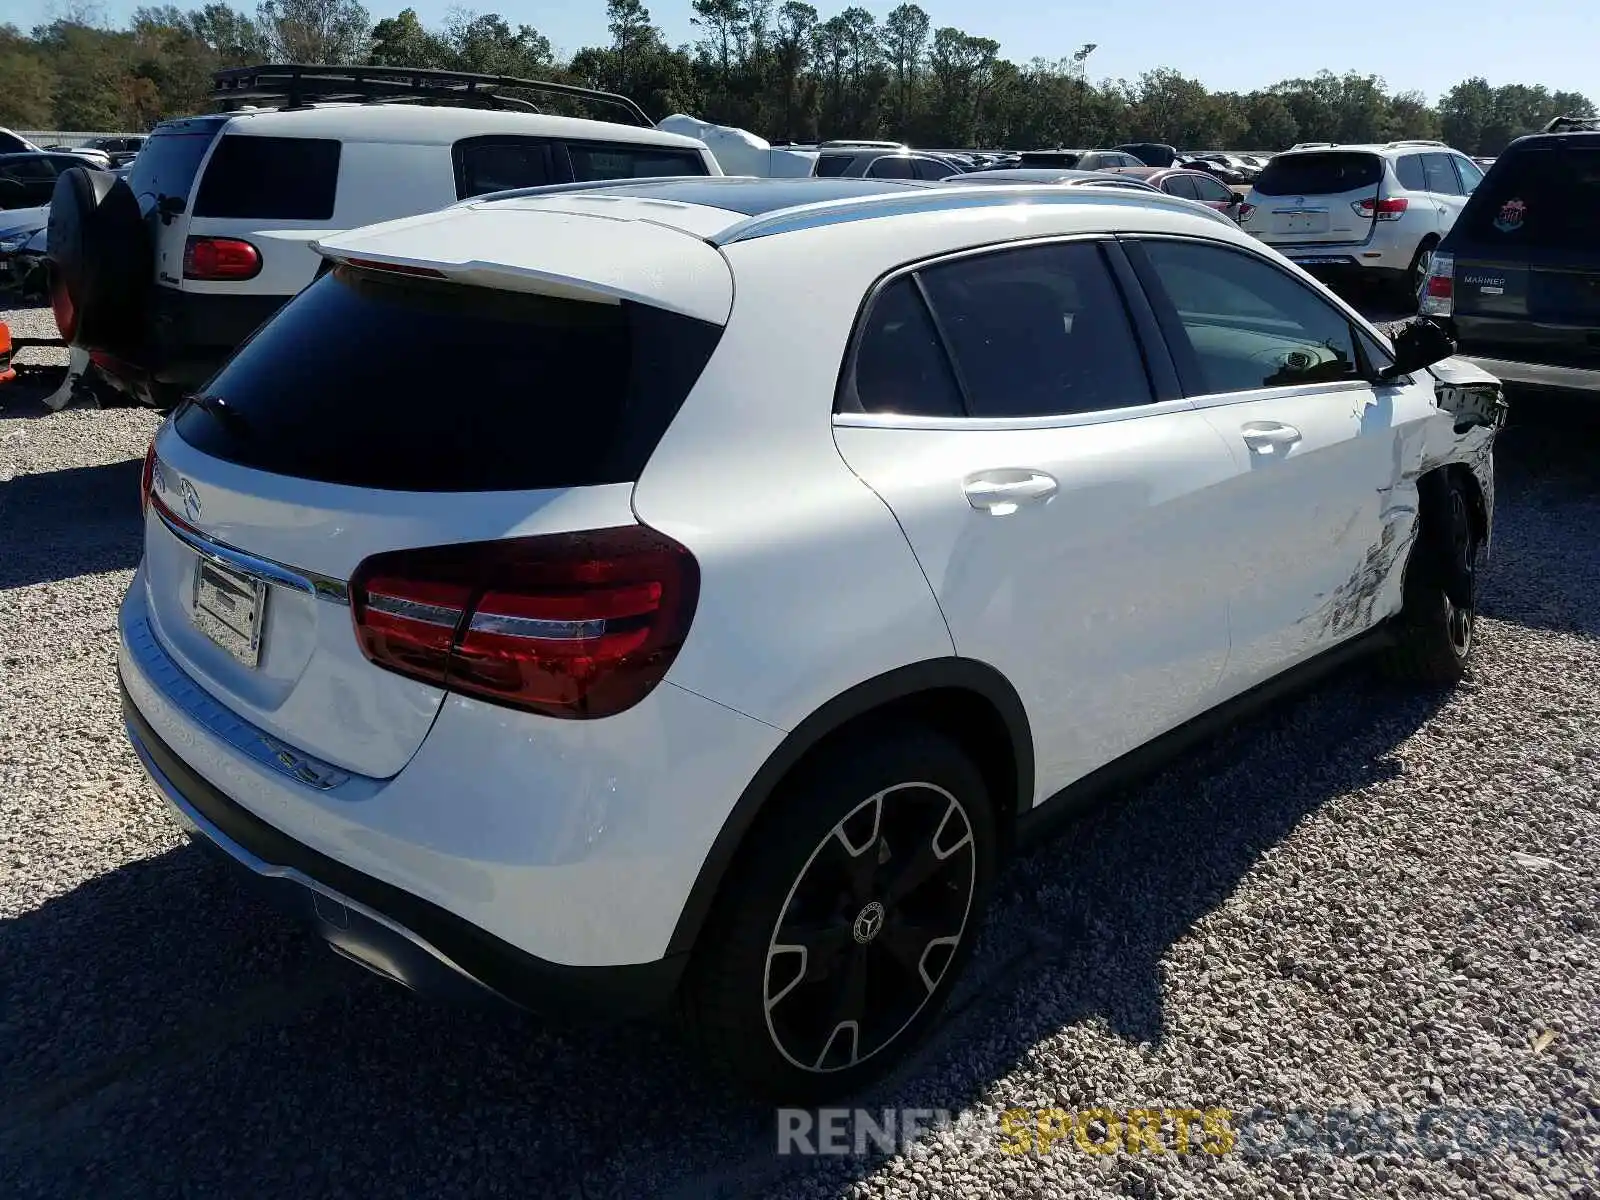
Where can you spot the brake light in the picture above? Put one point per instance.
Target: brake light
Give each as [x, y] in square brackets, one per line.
[147, 478]
[1439, 289]
[1244, 211]
[572, 625]
[220, 259]
[1391, 209]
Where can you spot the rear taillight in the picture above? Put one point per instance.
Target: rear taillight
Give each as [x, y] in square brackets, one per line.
[566, 624]
[210, 258]
[1391, 209]
[147, 477]
[1244, 212]
[1439, 289]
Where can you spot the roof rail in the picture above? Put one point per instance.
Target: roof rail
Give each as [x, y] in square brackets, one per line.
[1568, 124]
[1311, 146]
[295, 85]
[1416, 142]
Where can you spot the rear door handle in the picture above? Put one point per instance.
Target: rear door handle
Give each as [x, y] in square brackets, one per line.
[1265, 437]
[1003, 491]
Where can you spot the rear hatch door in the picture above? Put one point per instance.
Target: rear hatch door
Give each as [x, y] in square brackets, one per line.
[162, 179]
[379, 411]
[1528, 244]
[1315, 197]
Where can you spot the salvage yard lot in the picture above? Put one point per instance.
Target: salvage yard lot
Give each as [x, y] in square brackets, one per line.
[1370, 899]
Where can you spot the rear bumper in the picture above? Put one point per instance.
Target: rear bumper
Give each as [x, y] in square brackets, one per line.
[1533, 374]
[388, 931]
[1347, 258]
[543, 861]
[1532, 353]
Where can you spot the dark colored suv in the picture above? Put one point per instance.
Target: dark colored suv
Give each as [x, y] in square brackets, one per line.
[1519, 273]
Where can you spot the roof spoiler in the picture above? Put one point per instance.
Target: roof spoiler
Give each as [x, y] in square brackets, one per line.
[296, 85]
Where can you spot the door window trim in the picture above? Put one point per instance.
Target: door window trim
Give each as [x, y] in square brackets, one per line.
[1170, 324]
[1121, 277]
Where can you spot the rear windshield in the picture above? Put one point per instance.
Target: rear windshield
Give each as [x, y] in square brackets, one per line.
[269, 178]
[385, 382]
[167, 163]
[1544, 196]
[1324, 173]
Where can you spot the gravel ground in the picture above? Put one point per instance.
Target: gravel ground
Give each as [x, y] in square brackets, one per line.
[1371, 909]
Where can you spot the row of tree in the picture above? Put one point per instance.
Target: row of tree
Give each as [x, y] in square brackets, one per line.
[778, 69]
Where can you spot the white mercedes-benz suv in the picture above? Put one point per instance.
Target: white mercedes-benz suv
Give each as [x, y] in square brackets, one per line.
[503, 608]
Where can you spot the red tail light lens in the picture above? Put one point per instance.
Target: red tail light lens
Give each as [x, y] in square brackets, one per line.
[569, 625]
[1438, 296]
[220, 259]
[147, 478]
[1245, 210]
[1384, 210]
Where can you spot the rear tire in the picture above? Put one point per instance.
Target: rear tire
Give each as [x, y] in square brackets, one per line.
[1409, 288]
[847, 919]
[1437, 626]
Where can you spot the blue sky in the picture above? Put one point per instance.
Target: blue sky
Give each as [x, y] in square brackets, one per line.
[1227, 45]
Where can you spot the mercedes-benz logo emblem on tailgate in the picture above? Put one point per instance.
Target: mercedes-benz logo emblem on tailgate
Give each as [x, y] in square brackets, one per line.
[190, 498]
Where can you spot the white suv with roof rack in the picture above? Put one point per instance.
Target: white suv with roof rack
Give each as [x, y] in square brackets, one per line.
[163, 276]
[1361, 212]
[632, 672]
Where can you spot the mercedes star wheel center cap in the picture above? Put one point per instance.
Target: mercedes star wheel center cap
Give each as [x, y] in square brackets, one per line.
[868, 922]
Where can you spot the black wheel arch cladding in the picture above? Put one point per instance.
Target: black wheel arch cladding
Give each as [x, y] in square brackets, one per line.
[910, 692]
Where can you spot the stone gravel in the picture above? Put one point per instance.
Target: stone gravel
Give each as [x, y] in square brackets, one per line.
[1370, 910]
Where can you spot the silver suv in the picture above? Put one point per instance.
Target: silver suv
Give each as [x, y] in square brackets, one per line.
[1362, 212]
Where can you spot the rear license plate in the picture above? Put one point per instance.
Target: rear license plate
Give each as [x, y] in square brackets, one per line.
[1304, 222]
[229, 608]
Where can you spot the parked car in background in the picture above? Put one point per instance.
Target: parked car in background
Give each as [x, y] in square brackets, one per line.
[28, 179]
[1152, 154]
[1046, 175]
[550, 698]
[1518, 275]
[212, 233]
[15, 143]
[1190, 185]
[19, 228]
[882, 162]
[1357, 213]
[121, 149]
[1077, 160]
[1217, 166]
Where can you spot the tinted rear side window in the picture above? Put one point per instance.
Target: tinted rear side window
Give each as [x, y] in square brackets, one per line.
[832, 165]
[269, 178]
[413, 385]
[602, 160]
[1324, 173]
[1408, 168]
[899, 365]
[167, 164]
[498, 164]
[1545, 196]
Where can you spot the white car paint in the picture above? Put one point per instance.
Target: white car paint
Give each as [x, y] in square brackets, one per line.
[395, 160]
[1169, 568]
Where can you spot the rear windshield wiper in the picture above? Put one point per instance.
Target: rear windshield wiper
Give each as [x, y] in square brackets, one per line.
[218, 408]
